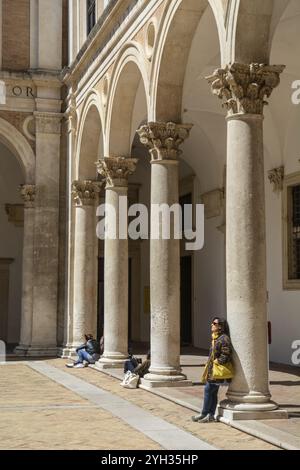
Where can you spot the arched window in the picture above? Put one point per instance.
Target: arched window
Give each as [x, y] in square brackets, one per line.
[91, 15]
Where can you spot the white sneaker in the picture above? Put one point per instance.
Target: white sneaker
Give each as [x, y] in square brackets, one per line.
[79, 366]
[70, 365]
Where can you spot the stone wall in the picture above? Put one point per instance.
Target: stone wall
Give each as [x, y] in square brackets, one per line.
[16, 34]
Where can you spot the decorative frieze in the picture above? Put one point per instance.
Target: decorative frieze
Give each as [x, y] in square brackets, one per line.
[28, 193]
[276, 177]
[244, 88]
[85, 192]
[116, 170]
[164, 139]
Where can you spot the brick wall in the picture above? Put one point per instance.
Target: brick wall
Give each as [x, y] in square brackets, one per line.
[16, 34]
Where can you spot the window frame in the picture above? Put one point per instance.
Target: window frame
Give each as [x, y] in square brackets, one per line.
[289, 182]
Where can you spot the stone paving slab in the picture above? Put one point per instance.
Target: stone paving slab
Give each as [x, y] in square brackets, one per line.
[165, 434]
[37, 413]
[285, 390]
[225, 436]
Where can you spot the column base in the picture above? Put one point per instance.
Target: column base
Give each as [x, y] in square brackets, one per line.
[111, 362]
[232, 411]
[158, 380]
[41, 351]
[21, 350]
[67, 353]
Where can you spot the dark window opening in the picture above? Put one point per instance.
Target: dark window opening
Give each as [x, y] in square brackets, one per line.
[91, 15]
[296, 232]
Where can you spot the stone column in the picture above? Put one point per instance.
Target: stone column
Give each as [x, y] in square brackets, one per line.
[85, 194]
[28, 195]
[46, 235]
[116, 171]
[244, 89]
[164, 140]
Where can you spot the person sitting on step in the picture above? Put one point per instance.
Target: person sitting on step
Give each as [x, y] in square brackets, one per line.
[88, 352]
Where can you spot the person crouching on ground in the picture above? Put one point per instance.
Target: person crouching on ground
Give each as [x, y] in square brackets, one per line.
[88, 352]
[134, 367]
[221, 353]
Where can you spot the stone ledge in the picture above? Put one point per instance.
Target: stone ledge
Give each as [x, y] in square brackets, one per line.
[266, 433]
[149, 384]
[233, 415]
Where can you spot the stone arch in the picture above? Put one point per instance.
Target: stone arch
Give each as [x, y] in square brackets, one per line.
[172, 52]
[250, 28]
[89, 145]
[129, 74]
[20, 147]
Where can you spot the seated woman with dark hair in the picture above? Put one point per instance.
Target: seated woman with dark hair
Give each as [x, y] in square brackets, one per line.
[88, 352]
[135, 366]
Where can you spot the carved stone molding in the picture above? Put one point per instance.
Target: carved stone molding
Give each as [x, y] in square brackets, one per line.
[164, 139]
[15, 214]
[276, 177]
[116, 170]
[245, 87]
[85, 192]
[213, 203]
[28, 193]
[48, 123]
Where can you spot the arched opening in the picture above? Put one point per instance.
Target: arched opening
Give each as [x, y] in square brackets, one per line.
[90, 145]
[11, 247]
[183, 95]
[88, 250]
[129, 109]
[128, 102]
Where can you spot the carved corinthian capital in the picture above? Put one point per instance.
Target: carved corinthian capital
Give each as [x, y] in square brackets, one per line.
[116, 170]
[164, 139]
[85, 192]
[28, 192]
[245, 87]
[276, 177]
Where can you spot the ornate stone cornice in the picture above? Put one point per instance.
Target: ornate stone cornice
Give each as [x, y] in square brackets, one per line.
[116, 170]
[245, 87]
[28, 193]
[164, 139]
[276, 177]
[48, 123]
[85, 192]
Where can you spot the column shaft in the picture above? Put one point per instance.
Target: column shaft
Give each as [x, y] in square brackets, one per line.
[165, 278]
[28, 193]
[115, 287]
[246, 259]
[85, 274]
[163, 140]
[116, 171]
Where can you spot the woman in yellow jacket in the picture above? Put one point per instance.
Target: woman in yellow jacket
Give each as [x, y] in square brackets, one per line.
[218, 370]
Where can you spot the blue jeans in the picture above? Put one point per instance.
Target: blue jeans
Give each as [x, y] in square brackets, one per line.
[83, 355]
[131, 364]
[210, 399]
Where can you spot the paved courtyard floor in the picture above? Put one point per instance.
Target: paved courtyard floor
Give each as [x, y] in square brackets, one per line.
[43, 405]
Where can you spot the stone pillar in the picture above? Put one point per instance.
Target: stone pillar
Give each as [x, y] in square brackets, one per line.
[244, 89]
[46, 235]
[85, 195]
[72, 121]
[115, 171]
[28, 195]
[164, 140]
